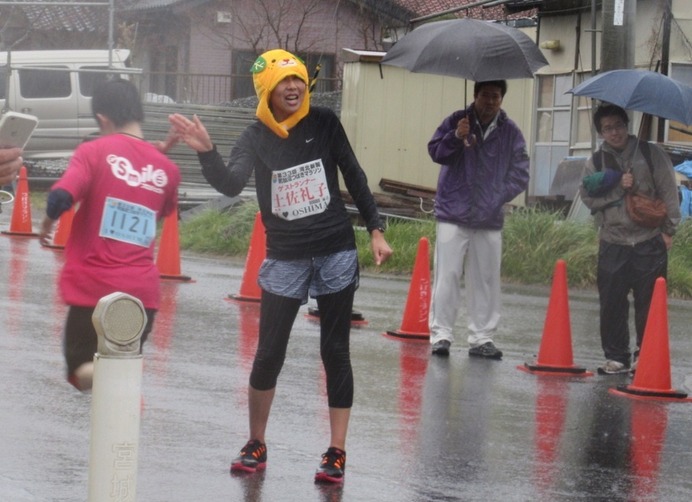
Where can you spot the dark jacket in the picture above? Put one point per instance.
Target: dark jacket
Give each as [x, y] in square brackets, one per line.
[318, 138]
[476, 181]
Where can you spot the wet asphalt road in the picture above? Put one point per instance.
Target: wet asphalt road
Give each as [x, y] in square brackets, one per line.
[422, 429]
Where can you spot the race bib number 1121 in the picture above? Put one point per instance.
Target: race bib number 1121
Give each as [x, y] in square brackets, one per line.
[127, 222]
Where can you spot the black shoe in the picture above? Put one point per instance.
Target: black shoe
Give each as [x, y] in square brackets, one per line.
[252, 458]
[332, 466]
[441, 347]
[487, 350]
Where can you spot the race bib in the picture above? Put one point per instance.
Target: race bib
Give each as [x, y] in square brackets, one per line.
[127, 222]
[300, 191]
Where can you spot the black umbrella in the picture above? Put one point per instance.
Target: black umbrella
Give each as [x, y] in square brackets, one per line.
[467, 48]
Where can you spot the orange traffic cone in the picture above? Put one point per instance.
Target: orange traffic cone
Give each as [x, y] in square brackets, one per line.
[249, 289]
[20, 224]
[555, 354]
[168, 258]
[415, 322]
[652, 378]
[62, 229]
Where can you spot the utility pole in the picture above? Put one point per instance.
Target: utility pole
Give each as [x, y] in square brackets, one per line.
[665, 59]
[617, 39]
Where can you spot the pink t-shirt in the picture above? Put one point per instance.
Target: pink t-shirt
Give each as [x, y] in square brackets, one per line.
[121, 187]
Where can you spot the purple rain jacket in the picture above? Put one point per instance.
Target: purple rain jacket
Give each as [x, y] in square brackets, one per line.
[475, 182]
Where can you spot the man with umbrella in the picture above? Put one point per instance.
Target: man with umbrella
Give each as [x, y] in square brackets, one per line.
[484, 166]
[631, 256]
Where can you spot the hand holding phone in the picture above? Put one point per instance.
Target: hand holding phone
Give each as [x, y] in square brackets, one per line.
[16, 129]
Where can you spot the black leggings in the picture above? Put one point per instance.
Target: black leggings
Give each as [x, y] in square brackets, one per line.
[277, 314]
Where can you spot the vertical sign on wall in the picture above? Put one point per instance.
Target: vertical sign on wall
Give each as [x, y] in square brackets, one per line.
[618, 14]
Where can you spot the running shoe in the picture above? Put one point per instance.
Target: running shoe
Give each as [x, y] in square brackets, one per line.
[252, 458]
[332, 467]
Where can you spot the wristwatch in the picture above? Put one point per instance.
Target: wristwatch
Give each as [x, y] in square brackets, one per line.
[381, 228]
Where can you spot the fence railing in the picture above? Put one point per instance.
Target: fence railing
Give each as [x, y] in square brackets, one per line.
[207, 89]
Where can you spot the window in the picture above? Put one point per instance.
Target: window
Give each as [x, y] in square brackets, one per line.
[553, 129]
[46, 83]
[325, 78]
[88, 80]
[678, 132]
[242, 85]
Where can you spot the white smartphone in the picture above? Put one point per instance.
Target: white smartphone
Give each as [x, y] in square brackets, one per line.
[16, 129]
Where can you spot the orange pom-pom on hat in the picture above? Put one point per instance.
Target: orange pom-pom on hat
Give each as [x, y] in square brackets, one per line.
[267, 71]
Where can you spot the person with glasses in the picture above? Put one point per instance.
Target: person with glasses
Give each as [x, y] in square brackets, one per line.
[631, 256]
[484, 165]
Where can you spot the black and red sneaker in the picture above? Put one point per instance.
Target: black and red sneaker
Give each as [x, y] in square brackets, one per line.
[252, 458]
[332, 467]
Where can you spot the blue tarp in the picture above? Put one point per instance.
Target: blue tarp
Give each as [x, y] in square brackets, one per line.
[685, 193]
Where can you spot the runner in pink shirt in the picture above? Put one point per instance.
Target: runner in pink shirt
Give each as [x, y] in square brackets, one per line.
[121, 186]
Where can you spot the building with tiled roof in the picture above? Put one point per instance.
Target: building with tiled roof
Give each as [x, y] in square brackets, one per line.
[171, 38]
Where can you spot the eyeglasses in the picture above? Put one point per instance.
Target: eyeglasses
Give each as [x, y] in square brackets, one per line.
[614, 128]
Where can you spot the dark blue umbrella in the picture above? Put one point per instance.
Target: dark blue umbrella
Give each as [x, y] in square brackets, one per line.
[467, 48]
[641, 90]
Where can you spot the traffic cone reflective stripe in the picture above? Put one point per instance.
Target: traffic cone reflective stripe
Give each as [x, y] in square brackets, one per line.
[652, 378]
[20, 224]
[168, 257]
[249, 289]
[415, 323]
[555, 353]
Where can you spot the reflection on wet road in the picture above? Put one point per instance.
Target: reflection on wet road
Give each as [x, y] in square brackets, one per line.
[422, 429]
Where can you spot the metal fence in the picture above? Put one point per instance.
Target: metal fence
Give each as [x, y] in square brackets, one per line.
[207, 89]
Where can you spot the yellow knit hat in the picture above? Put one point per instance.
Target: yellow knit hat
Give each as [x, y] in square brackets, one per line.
[268, 70]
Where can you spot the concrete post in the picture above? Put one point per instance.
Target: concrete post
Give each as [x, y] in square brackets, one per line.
[119, 320]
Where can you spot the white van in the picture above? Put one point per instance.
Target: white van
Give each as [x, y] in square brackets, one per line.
[56, 86]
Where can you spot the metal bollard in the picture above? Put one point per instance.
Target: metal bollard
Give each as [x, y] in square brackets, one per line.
[119, 320]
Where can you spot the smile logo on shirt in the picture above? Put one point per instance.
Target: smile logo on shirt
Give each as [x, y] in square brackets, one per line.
[148, 177]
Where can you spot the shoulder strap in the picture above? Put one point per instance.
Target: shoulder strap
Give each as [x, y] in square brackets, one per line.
[646, 152]
[599, 158]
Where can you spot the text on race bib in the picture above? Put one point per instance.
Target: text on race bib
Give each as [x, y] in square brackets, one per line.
[128, 222]
[300, 191]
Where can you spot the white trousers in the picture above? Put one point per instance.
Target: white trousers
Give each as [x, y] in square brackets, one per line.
[475, 256]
